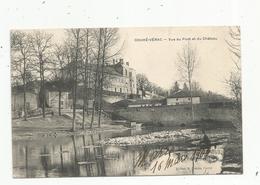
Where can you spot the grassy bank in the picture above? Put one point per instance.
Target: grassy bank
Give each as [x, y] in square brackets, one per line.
[55, 126]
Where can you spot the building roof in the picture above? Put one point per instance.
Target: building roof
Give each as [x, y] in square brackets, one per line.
[111, 70]
[64, 86]
[183, 94]
[30, 87]
[19, 89]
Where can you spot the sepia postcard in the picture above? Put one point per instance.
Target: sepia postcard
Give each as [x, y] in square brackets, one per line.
[135, 101]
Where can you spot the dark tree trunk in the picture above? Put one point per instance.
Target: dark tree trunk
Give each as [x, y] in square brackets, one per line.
[191, 98]
[43, 98]
[75, 80]
[42, 87]
[102, 79]
[75, 156]
[85, 106]
[96, 80]
[24, 92]
[59, 102]
[74, 97]
[61, 159]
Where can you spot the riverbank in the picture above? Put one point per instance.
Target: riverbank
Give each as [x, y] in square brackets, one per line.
[56, 126]
[192, 140]
[187, 137]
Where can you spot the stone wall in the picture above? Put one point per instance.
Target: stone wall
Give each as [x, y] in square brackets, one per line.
[177, 114]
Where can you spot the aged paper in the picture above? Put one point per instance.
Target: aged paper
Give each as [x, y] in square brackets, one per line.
[126, 101]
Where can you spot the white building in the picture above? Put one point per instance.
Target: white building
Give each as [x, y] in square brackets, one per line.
[182, 97]
[120, 77]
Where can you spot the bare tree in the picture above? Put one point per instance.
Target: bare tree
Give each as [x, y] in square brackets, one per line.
[74, 41]
[62, 60]
[109, 39]
[103, 50]
[187, 61]
[143, 83]
[196, 87]
[233, 43]
[86, 73]
[21, 58]
[175, 88]
[41, 43]
[102, 73]
[234, 81]
[97, 74]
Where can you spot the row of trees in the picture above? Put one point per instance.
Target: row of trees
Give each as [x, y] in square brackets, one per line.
[79, 58]
[30, 58]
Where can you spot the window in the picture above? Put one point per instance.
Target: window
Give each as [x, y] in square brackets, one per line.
[176, 99]
[120, 89]
[115, 89]
[189, 99]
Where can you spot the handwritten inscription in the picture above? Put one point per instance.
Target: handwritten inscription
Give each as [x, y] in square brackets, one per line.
[179, 158]
[172, 158]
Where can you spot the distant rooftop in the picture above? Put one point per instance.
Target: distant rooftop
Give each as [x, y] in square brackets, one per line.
[183, 94]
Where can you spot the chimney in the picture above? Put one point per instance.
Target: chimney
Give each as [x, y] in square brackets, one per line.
[121, 61]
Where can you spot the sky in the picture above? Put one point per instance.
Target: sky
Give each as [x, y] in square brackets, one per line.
[157, 58]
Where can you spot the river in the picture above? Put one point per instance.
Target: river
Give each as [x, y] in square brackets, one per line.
[83, 155]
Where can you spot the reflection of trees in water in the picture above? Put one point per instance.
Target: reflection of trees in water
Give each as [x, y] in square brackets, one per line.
[84, 156]
[45, 159]
[90, 158]
[89, 168]
[61, 161]
[75, 157]
[26, 162]
[95, 154]
[102, 163]
[99, 156]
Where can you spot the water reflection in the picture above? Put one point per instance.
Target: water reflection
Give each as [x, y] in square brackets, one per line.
[84, 156]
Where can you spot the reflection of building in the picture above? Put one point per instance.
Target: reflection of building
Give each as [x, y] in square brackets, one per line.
[182, 97]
